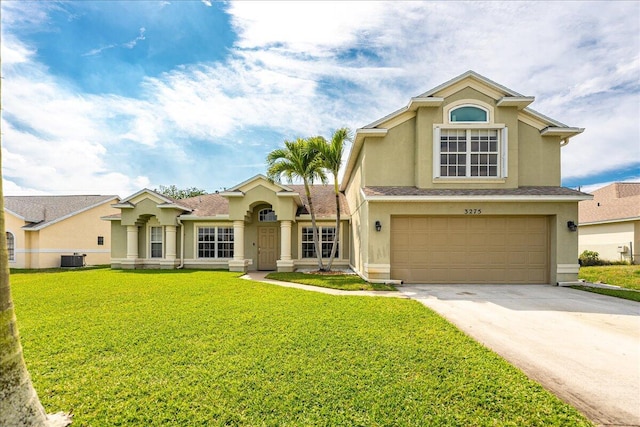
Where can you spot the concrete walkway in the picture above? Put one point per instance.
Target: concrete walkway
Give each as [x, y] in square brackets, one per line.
[260, 277]
[583, 347]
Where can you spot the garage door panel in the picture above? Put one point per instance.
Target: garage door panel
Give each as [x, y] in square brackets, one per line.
[470, 249]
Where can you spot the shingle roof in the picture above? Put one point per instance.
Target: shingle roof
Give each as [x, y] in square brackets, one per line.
[521, 191]
[324, 200]
[620, 200]
[41, 211]
[323, 196]
[206, 205]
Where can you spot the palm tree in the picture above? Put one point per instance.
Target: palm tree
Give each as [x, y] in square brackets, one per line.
[331, 154]
[299, 160]
[19, 403]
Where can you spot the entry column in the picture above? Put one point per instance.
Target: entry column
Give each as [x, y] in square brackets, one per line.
[285, 263]
[238, 263]
[132, 242]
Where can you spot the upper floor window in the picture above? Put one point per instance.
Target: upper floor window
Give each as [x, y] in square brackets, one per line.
[11, 246]
[469, 153]
[469, 113]
[215, 242]
[267, 215]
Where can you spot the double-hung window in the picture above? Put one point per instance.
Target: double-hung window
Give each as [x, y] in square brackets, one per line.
[215, 242]
[156, 242]
[11, 246]
[325, 234]
[470, 145]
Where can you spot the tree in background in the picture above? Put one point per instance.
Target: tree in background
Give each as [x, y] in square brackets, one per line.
[19, 402]
[331, 157]
[178, 193]
[299, 160]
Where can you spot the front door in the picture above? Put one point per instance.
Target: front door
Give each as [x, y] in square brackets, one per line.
[267, 248]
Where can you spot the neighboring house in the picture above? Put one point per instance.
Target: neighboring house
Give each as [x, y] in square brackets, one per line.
[610, 223]
[460, 186]
[42, 229]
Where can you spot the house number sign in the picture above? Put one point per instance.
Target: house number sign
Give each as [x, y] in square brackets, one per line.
[472, 211]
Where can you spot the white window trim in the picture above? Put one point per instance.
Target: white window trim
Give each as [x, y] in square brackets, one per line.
[149, 241]
[339, 253]
[502, 154]
[13, 236]
[480, 107]
[196, 241]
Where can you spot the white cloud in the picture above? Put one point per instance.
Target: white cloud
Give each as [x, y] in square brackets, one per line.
[301, 68]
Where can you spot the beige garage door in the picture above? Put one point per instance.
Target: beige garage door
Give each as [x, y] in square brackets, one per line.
[470, 249]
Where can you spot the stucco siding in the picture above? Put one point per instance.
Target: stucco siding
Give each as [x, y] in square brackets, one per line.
[13, 225]
[606, 238]
[396, 148]
[538, 157]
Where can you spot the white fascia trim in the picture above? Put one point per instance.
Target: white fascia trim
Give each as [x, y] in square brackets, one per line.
[420, 199]
[173, 206]
[16, 215]
[515, 101]
[361, 134]
[72, 214]
[232, 194]
[418, 102]
[105, 218]
[125, 205]
[566, 132]
[611, 221]
[204, 218]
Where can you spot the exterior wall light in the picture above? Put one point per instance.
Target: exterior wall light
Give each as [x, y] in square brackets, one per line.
[572, 226]
[378, 226]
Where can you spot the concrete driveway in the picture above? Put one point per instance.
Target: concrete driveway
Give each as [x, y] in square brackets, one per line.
[583, 347]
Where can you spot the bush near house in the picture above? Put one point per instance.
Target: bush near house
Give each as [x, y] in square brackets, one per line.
[207, 348]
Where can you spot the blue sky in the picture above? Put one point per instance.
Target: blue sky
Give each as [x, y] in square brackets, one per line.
[108, 97]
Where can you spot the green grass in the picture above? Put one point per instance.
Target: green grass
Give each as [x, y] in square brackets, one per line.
[346, 282]
[207, 348]
[618, 293]
[626, 276]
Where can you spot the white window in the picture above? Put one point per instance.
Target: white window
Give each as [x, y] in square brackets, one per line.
[326, 235]
[469, 145]
[267, 215]
[215, 242]
[469, 153]
[155, 239]
[11, 246]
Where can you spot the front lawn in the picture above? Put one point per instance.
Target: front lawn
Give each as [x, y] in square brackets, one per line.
[345, 282]
[626, 276]
[207, 348]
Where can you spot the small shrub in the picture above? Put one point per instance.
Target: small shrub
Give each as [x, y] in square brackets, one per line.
[589, 258]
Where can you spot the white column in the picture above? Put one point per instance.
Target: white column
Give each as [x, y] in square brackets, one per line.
[285, 263]
[132, 242]
[170, 253]
[285, 240]
[238, 240]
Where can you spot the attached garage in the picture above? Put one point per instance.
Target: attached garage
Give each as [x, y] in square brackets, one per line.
[470, 249]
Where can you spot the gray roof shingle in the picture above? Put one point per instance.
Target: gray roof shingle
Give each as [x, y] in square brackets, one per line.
[620, 200]
[40, 211]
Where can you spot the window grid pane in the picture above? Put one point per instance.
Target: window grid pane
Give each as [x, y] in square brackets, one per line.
[225, 242]
[478, 147]
[325, 234]
[11, 246]
[215, 242]
[156, 242]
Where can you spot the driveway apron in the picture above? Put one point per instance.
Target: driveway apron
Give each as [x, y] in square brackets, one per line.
[581, 346]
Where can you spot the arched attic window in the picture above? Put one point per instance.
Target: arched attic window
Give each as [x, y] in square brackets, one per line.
[469, 113]
[267, 215]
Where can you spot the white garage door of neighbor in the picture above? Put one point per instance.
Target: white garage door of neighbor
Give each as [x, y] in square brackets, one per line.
[470, 249]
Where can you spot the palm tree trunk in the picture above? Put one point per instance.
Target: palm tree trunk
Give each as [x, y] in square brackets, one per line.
[19, 403]
[316, 240]
[336, 236]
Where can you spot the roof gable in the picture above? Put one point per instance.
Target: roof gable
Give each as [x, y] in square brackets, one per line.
[257, 181]
[42, 211]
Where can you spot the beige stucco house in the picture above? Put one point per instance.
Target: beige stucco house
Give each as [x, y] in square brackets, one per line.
[460, 186]
[610, 223]
[42, 229]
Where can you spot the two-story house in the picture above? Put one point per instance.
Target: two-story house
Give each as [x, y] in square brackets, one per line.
[460, 186]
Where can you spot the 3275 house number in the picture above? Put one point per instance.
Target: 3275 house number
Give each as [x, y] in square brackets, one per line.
[472, 211]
